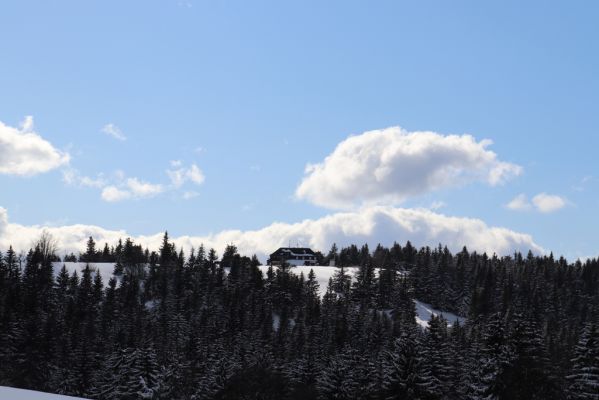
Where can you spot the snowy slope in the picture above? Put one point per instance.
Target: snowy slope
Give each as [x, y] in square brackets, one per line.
[7, 393]
[323, 274]
[105, 269]
[424, 312]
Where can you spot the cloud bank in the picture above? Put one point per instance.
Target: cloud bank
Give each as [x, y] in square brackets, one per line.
[370, 225]
[25, 153]
[390, 165]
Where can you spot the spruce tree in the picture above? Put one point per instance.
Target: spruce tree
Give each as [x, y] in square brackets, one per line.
[404, 368]
[584, 375]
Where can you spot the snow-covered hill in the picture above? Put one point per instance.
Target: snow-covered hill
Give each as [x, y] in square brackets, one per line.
[7, 393]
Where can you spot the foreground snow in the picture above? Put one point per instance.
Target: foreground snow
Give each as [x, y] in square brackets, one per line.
[7, 393]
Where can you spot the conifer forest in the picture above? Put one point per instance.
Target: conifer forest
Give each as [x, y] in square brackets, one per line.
[169, 325]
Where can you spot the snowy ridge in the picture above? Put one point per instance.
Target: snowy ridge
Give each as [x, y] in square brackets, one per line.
[8, 393]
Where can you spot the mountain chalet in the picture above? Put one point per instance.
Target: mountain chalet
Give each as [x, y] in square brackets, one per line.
[293, 256]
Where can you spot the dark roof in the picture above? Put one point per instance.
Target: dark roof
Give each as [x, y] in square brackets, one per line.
[295, 250]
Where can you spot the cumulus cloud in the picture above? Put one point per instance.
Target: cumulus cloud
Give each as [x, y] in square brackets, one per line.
[114, 131]
[547, 203]
[519, 203]
[180, 174]
[143, 189]
[390, 165]
[542, 202]
[370, 225]
[113, 194]
[25, 153]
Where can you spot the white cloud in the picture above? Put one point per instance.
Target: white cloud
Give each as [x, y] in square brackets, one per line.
[195, 175]
[369, 225]
[133, 188]
[113, 194]
[177, 177]
[73, 177]
[180, 175]
[118, 187]
[547, 203]
[542, 202]
[519, 203]
[25, 153]
[391, 165]
[143, 189]
[114, 190]
[114, 131]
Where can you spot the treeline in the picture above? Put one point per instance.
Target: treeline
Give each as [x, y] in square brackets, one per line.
[170, 326]
[106, 254]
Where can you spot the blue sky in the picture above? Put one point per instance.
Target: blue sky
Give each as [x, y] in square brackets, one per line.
[251, 92]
